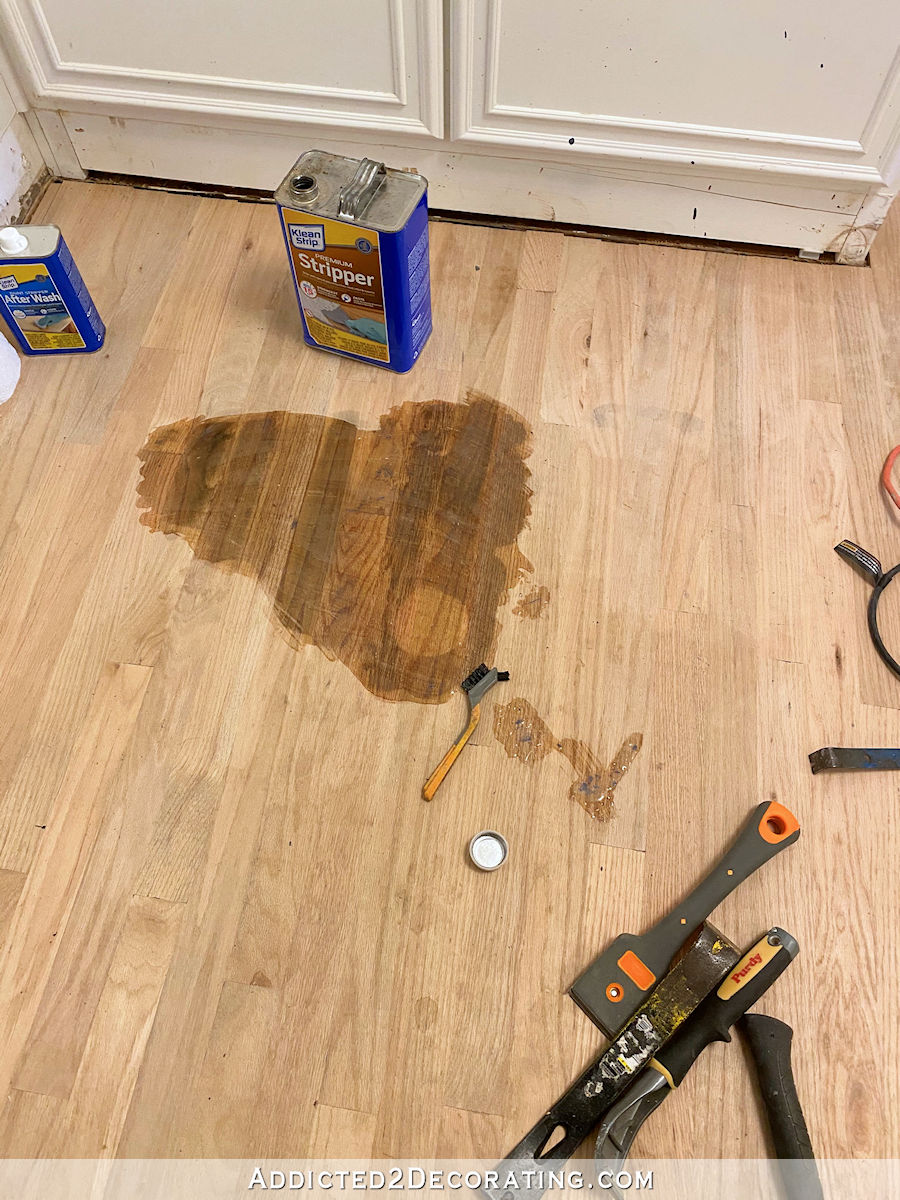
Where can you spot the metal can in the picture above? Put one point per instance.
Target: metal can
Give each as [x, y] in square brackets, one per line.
[42, 295]
[356, 234]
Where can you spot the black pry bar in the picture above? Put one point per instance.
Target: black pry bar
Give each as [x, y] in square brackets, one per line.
[847, 758]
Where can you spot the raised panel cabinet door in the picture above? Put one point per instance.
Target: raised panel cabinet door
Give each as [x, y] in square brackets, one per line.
[796, 81]
[768, 123]
[357, 64]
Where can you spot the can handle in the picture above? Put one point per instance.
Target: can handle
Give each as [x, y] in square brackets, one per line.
[355, 197]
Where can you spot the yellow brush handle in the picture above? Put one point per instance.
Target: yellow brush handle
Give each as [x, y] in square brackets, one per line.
[437, 776]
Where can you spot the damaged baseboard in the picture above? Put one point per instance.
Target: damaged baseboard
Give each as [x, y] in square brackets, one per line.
[819, 215]
[23, 172]
[455, 217]
[32, 197]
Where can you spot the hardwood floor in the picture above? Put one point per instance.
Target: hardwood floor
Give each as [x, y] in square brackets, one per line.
[231, 926]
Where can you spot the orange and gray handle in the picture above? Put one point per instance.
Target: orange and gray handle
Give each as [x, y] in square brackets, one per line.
[437, 776]
[769, 829]
[617, 981]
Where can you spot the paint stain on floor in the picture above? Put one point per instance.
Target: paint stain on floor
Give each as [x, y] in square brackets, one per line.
[389, 549]
[533, 603]
[525, 735]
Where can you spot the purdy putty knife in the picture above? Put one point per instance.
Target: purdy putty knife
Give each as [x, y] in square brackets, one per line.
[619, 980]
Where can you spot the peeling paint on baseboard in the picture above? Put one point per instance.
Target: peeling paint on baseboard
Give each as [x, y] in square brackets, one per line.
[23, 172]
[852, 247]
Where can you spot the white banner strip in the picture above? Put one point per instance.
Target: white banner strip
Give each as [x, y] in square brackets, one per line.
[226, 1179]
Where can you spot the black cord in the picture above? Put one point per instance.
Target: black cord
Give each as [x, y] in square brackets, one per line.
[886, 657]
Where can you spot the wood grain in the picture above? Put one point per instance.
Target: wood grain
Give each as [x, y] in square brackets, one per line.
[390, 550]
[232, 927]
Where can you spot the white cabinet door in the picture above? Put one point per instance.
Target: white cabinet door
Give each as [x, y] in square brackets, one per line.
[723, 84]
[353, 64]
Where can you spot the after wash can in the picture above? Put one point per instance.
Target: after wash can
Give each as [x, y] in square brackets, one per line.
[42, 295]
[357, 237]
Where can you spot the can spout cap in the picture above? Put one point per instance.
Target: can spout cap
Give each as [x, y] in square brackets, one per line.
[12, 240]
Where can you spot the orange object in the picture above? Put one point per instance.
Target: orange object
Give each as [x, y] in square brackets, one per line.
[886, 481]
[436, 778]
[475, 686]
[638, 972]
[777, 823]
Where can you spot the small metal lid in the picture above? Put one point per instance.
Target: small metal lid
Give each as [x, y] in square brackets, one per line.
[488, 850]
[359, 191]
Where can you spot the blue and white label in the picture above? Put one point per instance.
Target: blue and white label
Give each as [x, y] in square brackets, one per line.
[34, 299]
[307, 237]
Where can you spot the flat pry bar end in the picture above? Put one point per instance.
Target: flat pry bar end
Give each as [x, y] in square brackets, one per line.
[822, 760]
[853, 758]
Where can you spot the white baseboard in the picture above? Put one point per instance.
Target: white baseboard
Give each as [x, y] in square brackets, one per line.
[813, 215]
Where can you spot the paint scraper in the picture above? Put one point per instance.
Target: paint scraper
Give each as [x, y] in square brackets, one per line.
[618, 980]
[770, 1042]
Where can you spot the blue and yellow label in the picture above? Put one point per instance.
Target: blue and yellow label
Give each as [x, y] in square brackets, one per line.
[34, 305]
[338, 272]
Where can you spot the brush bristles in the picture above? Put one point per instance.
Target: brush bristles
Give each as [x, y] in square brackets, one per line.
[502, 676]
[470, 680]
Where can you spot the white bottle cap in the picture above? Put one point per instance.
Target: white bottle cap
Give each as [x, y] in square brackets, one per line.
[12, 240]
[488, 850]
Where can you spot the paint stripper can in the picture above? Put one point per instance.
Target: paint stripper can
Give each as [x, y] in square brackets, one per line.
[357, 237]
[42, 295]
